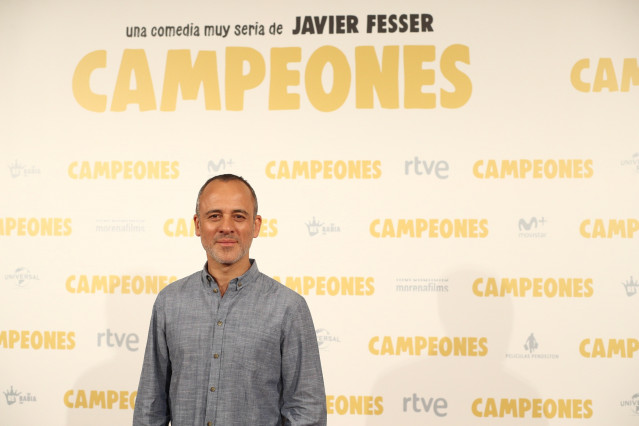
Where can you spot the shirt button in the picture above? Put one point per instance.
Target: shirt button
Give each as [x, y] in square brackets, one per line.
[208, 278]
[215, 290]
[209, 424]
[212, 389]
[220, 323]
[239, 284]
[216, 356]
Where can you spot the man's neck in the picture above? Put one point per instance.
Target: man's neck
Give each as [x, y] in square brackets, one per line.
[223, 274]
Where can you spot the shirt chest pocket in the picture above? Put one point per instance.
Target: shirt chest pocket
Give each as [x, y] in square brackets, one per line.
[189, 336]
[254, 345]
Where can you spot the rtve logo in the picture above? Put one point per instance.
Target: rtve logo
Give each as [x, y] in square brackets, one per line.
[420, 404]
[601, 74]
[129, 341]
[424, 167]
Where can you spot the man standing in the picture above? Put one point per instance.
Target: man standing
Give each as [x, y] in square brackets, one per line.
[229, 345]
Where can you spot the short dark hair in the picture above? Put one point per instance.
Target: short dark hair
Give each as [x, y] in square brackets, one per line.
[227, 177]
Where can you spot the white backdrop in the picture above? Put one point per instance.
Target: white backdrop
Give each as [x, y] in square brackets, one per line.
[458, 206]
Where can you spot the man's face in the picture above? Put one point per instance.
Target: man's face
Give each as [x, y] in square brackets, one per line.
[226, 224]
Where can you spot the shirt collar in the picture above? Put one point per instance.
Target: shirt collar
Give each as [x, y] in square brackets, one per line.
[236, 283]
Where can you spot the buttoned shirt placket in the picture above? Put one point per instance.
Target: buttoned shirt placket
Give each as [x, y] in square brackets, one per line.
[219, 311]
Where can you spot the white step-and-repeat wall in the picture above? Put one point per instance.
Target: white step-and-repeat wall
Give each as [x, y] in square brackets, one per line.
[451, 185]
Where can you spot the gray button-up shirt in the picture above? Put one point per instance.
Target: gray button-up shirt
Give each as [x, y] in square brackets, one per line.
[249, 358]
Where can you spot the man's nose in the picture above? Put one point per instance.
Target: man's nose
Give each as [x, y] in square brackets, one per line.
[226, 225]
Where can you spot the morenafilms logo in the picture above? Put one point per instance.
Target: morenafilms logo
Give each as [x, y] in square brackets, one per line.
[22, 277]
[124, 226]
[532, 227]
[631, 286]
[12, 396]
[421, 285]
[19, 170]
[316, 227]
[531, 350]
[325, 338]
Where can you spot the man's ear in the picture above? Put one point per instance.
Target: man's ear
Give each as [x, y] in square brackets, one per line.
[196, 220]
[258, 224]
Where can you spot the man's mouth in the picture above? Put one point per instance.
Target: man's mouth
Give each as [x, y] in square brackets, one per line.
[226, 241]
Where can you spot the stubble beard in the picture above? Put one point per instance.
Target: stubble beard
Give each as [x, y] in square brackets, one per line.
[225, 260]
[221, 254]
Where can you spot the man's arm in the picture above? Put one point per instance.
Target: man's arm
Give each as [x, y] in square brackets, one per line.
[152, 402]
[303, 395]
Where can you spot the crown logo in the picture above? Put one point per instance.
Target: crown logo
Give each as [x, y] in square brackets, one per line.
[631, 286]
[15, 169]
[12, 396]
[314, 227]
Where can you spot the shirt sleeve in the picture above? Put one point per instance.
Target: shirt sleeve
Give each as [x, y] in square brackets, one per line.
[151, 405]
[303, 395]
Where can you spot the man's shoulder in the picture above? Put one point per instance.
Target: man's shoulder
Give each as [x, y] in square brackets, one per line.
[182, 286]
[275, 288]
